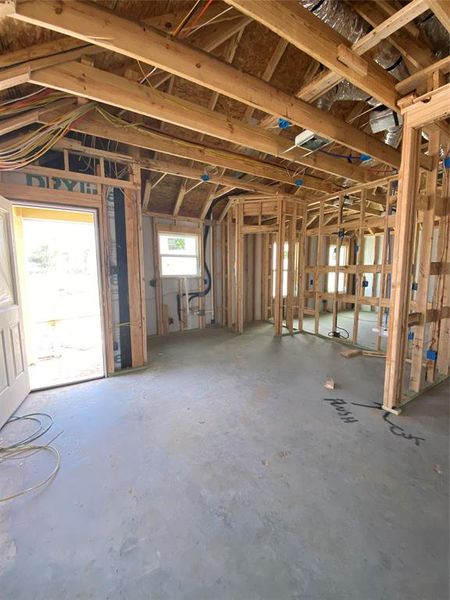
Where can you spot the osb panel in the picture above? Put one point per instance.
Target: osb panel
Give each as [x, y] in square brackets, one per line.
[163, 197]
[255, 49]
[194, 202]
[291, 70]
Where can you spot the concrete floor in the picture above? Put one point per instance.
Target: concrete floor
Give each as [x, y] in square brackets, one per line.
[220, 473]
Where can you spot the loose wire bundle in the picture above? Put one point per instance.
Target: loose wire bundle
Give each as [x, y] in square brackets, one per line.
[27, 148]
[24, 448]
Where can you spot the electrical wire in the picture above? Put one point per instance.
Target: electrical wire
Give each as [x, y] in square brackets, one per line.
[18, 453]
[24, 448]
[198, 17]
[210, 20]
[31, 146]
[33, 436]
[333, 333]
[185, 19]
[189, 31]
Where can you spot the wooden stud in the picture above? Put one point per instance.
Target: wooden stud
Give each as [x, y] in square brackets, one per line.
[401, 271]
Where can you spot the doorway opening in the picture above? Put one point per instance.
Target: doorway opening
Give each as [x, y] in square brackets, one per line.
[57, 255]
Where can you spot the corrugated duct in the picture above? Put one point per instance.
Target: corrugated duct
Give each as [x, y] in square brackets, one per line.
[352, 27]
[437, 35]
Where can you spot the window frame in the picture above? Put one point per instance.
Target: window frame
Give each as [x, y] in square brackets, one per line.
[179, 233]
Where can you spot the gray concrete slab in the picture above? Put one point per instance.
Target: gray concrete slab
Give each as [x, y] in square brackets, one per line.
[221, 473]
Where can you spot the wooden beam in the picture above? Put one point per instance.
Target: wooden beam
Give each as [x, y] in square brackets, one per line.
[326, 80]
[15, 76]
[305, 31]
[179, 200]
[136, 281]
[424, 264]
[401, 269]
[441, 9]
[430, 107]
[278, 300]
[14, 123]
[16, 57]
[95, 124]
[398, 20]
[230, 52]
[416, 53]
[89, 82]
[207, 39]
[269, 70]
[421, 77]
[91, 23]
[164, 166]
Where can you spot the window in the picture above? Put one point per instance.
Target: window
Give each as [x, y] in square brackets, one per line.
[179, 254]
[332, 263]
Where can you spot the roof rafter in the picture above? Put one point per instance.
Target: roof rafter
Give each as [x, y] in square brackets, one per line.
[95, 125]
[89, 22]
[95, 84]
[328, 79]
[417, 54]
[308, 33]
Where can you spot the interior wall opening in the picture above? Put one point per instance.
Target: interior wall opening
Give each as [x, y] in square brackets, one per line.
[59, 272]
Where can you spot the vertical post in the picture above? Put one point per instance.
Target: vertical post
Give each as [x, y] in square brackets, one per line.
[106, 287]
[230, 273]
[223, 288]
[138, 329]
[401, 268]
[318, 274]
[441, 328]
[239, 259]
[339, 243]
[424, 265]
[302, 269]
[158, 291]
[201, 299]
[384, 260]
[265, 277]
[359, 267]
[278, 317]
[291, 270]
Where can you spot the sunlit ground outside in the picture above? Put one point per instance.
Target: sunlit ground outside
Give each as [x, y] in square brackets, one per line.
[61, 302]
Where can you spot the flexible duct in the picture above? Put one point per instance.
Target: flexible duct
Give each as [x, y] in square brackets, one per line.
[437, 35]
[352, 27]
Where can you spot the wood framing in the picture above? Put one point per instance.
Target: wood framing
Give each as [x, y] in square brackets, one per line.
[98, 202]
[416, 114]
[89, 23]
[309, 34]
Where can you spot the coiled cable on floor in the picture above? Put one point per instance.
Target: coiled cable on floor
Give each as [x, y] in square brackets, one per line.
[32, 437]
[24, 448]
[333, 333]
[18, 453]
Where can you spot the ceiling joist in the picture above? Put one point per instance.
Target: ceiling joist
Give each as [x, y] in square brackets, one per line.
[94, 124]
[95, 84]
[93, 24]
[308, 33]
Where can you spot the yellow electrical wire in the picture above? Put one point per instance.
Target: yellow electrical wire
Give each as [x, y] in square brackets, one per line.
[185, 19]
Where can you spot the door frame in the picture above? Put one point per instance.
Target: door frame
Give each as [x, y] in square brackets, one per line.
[100, 277]
[101, 293]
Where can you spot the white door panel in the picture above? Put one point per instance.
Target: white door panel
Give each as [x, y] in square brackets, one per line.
[14, 380]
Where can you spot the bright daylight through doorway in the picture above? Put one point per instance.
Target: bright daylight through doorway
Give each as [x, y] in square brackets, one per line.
[59, 281]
